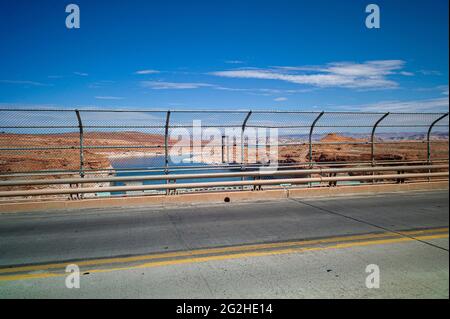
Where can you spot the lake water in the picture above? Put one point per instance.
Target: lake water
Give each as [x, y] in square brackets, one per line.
[129, 163]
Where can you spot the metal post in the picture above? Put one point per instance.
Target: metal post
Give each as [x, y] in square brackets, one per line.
[242, 144]
[257, 149]
[166, 148]
[80, 126]
[310, 136]
[223, 149]
[166, 143]
[242, 138]
[228, 149]
[429, 136]
[372, 138]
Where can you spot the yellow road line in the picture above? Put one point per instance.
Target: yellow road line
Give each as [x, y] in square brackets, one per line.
[233, 256]
[29, 276]
[98, 262]
[268, 253]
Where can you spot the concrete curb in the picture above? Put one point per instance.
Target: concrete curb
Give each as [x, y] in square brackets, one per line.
[219, 197]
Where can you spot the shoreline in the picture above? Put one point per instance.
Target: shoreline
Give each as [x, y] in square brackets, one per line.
[130, 154]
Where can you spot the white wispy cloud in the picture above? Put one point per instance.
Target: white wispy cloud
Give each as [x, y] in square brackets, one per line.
[280, 99]
[109, 98]
[430, 72]
[427, 105]
[234, 62]
[81, 73]
[100, 84]
[256, 91]
[367, 75]
[159, 85]
[162, 85]
[444, 89]
[143, 72]
[24, 82]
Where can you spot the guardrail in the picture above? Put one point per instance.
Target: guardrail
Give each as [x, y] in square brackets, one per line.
[400, 176]
[259, 173]
[215, 167]
[294, 181]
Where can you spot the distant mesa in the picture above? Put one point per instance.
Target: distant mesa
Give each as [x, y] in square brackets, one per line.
[333, 137]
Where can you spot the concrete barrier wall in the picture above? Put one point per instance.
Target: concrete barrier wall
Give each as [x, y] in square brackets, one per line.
[219, 197]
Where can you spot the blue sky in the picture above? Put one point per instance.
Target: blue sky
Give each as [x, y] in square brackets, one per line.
[285, 55]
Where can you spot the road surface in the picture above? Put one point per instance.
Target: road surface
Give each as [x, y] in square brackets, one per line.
[315, 248]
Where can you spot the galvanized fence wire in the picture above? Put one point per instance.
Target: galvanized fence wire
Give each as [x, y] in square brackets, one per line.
[85, 141]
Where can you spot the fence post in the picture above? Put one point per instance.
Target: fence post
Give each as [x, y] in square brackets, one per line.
[242, 144]
[311, 130]
[228, 149]
[429, 136]
[80, 127]
[242, 139]
[166, 148]
[223, 149]
[372, 138]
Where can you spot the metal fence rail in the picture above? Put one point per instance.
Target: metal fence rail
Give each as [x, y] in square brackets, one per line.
[253, 174]
[400, 177]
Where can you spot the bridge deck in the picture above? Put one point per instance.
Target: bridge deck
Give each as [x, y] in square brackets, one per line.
[333, 268]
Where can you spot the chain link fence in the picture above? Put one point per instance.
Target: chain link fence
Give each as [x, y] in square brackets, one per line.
[80, 142]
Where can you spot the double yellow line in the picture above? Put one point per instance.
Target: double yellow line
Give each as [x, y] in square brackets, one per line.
[211, 254]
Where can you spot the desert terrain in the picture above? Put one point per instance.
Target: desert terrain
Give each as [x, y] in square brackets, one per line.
[69, 159]
[134, 144]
